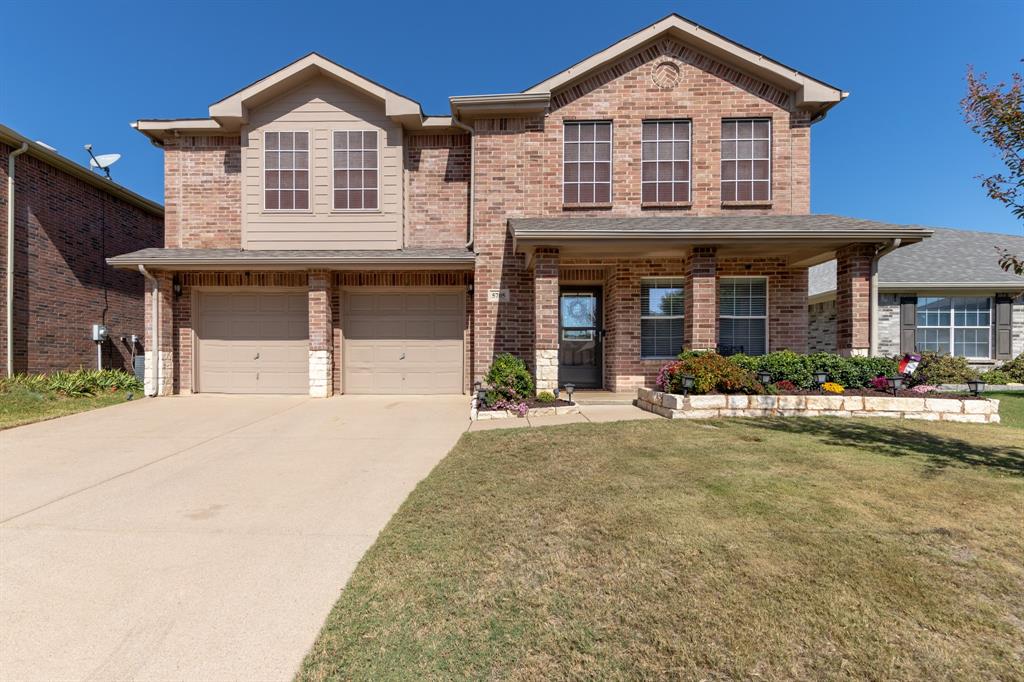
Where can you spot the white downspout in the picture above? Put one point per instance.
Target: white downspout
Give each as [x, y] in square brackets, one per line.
[472, 175]
[873, 293]
[154, 330]
[10, 255]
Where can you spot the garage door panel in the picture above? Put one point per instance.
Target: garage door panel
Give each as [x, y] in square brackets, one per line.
[253, 342]
[403, 341]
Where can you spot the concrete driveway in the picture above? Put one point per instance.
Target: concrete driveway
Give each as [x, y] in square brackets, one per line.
[198, 538]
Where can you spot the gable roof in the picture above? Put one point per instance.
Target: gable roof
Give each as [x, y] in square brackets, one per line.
[810, 93]
[951, 259]
[229, 113]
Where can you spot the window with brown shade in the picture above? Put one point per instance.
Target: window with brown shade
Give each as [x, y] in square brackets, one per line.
[665, 162]
[356, 172]
[587, 172]
[746, 159]
[286, 171]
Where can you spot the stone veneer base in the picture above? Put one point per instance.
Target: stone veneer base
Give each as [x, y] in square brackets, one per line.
[674, 406]
[482, 415]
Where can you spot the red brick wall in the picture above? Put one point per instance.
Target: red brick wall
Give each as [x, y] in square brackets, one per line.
[853, 295]
[519, 171]
[65, 228]
[203, 192]
[437, 213]
[700, 289]
[787, 298]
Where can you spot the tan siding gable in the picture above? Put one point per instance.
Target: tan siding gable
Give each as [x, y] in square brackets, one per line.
[321, 106]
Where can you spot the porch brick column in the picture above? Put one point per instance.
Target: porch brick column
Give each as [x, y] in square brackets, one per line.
[321, 335]
[545, 318]
[159, 352]
[700, 323]
[853, 299]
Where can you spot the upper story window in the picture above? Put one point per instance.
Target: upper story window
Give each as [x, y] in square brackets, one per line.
[665, 161]
[957, 325]
[587, 171]
[746, 159]
[286, 171]
[356, 170]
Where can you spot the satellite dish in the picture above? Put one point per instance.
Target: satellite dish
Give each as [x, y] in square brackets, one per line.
[104, 160]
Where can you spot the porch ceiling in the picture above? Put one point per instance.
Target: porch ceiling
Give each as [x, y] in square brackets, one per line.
[802, 239]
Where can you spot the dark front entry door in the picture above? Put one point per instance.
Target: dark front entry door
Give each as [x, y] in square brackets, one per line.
[580, 334]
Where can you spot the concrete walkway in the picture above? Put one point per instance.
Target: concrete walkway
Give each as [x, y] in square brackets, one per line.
[197, 538]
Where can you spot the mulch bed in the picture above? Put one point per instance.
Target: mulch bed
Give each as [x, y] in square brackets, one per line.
[531, 404]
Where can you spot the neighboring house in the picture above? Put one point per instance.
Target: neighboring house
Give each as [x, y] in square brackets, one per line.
[323, 235]
[67, 221]
[946, 294]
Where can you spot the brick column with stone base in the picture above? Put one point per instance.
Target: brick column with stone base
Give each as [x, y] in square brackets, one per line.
[545, 318]
[321, 335]
[700, 324]
[853, 298]
[159, 377]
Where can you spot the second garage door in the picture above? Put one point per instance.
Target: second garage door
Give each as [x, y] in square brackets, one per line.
[253, 342]
[403, 341]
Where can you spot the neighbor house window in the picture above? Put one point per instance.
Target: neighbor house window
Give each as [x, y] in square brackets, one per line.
[661, 317]
[356, 173]
[957, 325]
[746, 159]
[587, 168]
[665, 162]
[286, 171]
[743, 315]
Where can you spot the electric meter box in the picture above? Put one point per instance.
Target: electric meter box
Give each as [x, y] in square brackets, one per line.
[99, 333]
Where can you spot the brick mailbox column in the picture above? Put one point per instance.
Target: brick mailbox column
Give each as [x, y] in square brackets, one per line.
[853, 298]
[545, 318]
[321, 335]
[700, 323]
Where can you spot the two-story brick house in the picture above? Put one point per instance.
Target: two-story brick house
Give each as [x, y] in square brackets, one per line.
[324, 235]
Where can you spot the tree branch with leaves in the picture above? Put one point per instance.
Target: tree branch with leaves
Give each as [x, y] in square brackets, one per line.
[996, 113]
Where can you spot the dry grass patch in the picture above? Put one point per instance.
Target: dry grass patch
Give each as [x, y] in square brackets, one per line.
[772, 549]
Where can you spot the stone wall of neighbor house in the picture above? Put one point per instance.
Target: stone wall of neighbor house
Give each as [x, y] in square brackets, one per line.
[821, 327]
[437, 200]
[1018, 325]
[519, 170]
[716, 406]
[64, 230]
[888, 324]
[203, 192]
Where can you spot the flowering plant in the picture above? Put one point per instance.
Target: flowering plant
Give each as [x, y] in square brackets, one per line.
[880, 383]
[924, 388]
[785, 385]
[517, 406]
[831, 387]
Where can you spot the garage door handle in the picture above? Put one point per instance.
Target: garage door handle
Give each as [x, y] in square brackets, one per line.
[257, 357]
[403, 357]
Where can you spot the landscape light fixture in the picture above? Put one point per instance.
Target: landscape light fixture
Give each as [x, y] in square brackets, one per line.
[820, 378]
[569, 388]
[895, 383]
[764, 377]
[975, 386]
[686, 382]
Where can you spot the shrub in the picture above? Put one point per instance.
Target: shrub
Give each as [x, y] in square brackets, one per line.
[1014, 369]
[859, 371]
[82, 382]
[997, 377]
[785, 385]
[854, 372]
[711, 372]
[942, 369]
[831, 387]
[789, 366]
[509, 378]
[880, 383]
[545, 397]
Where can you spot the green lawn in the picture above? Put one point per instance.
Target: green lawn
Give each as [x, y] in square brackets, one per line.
[1011, 407]
[742, 549]
[19, 406]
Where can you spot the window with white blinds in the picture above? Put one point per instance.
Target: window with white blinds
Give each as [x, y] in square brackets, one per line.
[661, 317]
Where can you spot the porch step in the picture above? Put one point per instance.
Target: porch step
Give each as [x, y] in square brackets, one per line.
[584, 397]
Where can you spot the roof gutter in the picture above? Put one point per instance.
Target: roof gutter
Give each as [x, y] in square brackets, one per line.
[10, 254]
[873, 295]
[712, 236]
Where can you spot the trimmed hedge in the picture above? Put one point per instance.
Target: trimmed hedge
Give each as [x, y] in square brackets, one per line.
[710, 372]
[509, 379]
[938, 369]
[785, 365]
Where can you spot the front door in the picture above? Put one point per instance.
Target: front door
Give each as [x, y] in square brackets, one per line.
[580, 334]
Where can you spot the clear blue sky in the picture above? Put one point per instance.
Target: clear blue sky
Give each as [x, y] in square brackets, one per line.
[896, 150]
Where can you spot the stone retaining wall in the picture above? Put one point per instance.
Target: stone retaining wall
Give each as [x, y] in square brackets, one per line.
[711, 406]
[480, 415]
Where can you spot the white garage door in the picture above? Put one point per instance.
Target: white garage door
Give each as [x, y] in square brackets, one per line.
[253, 342]
[403, 341]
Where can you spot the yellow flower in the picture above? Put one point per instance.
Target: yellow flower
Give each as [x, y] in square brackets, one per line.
[832, 387]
